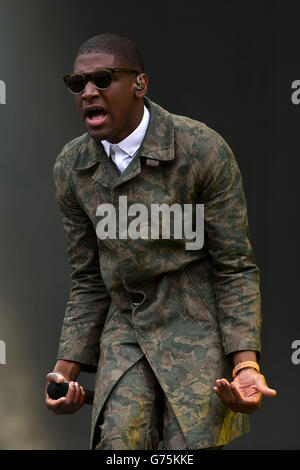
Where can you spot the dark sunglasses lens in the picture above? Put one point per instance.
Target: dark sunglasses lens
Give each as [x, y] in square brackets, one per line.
[101, 78]
[76, 83]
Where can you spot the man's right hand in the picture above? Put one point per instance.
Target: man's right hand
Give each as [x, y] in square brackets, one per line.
[71, 402]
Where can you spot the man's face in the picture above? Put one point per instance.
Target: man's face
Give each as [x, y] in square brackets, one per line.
[119, 108]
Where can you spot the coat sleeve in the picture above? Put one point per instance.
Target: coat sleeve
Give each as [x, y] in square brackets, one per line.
[89, 300]
[236, 276]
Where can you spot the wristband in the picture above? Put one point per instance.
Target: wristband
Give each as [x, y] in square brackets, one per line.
[243, 365]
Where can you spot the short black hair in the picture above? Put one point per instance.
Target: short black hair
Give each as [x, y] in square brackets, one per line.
[122, 48]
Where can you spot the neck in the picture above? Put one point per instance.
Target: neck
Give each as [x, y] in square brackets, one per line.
[137, 117]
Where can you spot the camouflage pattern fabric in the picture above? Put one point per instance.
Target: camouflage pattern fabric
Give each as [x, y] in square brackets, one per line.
[192, 307]
[132, 415]
[137, 415]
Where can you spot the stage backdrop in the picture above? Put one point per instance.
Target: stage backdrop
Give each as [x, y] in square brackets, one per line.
[233, 65]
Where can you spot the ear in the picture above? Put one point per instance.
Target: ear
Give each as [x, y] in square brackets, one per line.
[141, 85]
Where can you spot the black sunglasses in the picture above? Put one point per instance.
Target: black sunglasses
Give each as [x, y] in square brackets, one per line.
[101, 78]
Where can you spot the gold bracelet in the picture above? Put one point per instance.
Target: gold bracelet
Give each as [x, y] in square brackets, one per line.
[243, 365]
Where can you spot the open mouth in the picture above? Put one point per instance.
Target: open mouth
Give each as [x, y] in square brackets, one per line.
[95, 117]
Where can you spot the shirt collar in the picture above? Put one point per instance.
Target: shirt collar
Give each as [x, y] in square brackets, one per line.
[133, 141]
[158, 143]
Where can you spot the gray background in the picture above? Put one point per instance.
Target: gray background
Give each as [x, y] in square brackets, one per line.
[227, 63]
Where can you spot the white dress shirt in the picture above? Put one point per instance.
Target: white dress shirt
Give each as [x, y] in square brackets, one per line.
[123, 152]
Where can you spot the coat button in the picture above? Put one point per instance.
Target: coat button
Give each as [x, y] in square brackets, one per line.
[137, 298]
[106, 164]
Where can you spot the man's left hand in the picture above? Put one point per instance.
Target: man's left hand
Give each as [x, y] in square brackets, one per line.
[244, 394]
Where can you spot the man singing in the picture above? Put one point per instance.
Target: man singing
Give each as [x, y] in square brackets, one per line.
[172, 333]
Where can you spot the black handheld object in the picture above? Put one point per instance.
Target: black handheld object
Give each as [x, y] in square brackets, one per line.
[56, 391]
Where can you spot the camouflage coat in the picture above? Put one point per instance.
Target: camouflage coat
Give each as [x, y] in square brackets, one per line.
[185, 310]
